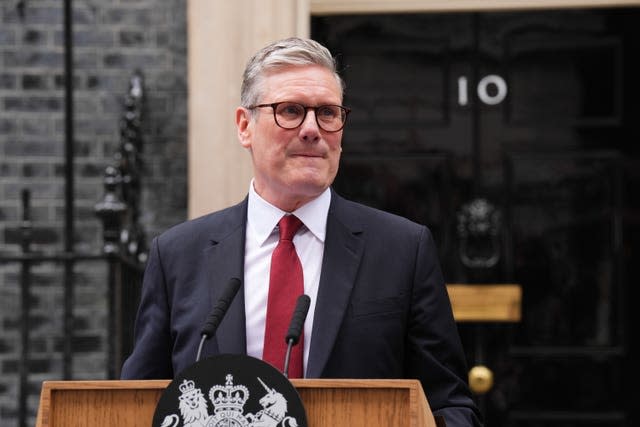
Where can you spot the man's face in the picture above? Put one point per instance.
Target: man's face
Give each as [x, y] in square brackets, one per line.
[292, 166]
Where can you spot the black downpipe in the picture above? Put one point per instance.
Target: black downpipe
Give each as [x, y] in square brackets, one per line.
[69, 188]
[25, 289]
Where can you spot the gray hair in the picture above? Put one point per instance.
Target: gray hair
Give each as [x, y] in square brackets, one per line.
[293, 51]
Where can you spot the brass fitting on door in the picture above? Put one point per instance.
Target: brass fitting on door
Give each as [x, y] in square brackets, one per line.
[480, 379]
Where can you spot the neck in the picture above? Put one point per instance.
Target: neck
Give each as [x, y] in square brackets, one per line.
[287, 203]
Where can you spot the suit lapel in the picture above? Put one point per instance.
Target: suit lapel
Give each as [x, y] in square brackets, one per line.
[226, 260]
[342, 254]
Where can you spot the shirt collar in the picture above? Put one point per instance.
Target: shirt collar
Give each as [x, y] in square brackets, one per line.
[263, 217]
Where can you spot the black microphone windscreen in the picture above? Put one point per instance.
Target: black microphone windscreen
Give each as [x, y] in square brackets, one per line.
[298, 318]
[219, 310]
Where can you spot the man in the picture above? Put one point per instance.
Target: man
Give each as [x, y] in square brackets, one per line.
[379, 307]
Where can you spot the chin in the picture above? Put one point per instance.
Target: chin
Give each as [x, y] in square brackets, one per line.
[308, 188]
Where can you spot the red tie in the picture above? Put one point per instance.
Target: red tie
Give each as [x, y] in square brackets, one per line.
[285, 286]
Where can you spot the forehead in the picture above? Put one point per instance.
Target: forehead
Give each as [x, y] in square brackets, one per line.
[301, 83]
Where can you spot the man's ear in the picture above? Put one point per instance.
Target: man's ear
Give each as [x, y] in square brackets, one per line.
[244, 126]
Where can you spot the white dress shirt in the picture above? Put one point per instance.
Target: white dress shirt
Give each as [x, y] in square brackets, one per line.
[261, 240]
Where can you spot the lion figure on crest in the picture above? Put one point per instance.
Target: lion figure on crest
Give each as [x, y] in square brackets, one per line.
[193, 407]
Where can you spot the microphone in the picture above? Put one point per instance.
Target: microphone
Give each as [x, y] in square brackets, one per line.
[219, 310]
[295, 328]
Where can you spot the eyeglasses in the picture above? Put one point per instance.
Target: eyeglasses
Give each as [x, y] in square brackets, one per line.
[290, 115]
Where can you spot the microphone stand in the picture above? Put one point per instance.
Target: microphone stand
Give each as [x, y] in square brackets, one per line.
[202, 340]
[287, 356]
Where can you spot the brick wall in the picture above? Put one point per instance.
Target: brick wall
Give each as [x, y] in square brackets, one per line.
[112, 38]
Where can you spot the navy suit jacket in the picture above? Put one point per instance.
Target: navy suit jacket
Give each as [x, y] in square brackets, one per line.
[382, 309]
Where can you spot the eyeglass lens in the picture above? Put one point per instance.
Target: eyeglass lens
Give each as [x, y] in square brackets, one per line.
[290, 115]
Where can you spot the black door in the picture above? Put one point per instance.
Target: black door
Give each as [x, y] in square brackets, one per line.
[514, 137]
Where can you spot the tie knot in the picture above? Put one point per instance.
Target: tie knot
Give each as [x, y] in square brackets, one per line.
[289, 225]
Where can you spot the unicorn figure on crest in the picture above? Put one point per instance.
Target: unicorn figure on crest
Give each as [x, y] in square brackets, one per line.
[273, 412]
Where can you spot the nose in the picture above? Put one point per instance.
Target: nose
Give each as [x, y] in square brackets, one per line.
[309, 130]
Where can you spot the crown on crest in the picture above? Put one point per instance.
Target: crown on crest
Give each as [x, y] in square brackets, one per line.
[229, 397]
[187, 386]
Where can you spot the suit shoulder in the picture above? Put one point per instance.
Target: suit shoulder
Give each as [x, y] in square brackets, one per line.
[205, 228]
[380, 219]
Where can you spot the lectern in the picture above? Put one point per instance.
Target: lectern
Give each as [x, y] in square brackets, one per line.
[354, 403]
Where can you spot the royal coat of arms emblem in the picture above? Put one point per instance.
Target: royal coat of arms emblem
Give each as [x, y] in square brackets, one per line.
[252, 404]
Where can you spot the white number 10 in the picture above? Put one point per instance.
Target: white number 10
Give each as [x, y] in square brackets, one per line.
[482, 90]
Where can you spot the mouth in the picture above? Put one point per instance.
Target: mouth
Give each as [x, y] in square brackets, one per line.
[309, 155]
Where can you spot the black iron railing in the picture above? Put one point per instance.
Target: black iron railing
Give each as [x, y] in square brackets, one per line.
[123, 253]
